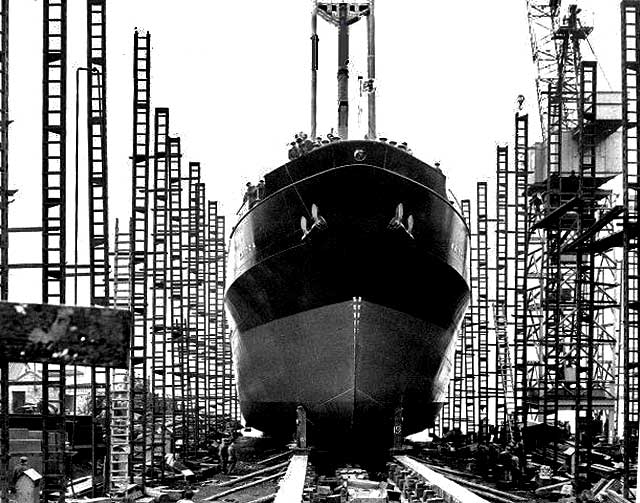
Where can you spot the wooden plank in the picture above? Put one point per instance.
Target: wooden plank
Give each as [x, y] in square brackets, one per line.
[292, 483]
[454, 492]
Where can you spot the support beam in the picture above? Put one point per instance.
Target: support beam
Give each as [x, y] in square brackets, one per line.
[371, 71]
[343, 71]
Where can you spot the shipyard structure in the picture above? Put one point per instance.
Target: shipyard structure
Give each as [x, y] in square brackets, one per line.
[354, 332]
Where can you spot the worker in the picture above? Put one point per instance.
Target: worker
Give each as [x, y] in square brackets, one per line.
[19, 469]
[69, 452]
[306, 145]
[227, 454]
[187, 496]
[260, 189]
[482, 459]
[250, 195]
[504, 464]
[294, 151]
[516, 469]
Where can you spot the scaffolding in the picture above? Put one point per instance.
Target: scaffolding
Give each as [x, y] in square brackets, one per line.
[215, 303]
[139, 253]
[159, 283]
[4, 431]
[456, 385]
[469, 349]
[98, 210]
[192, 337]
[119, 425]
[482, 306]
[4, 149]
[202, 355]
[178, 378]
[520, 239]
[4, 239]
[503, 380]
[226, 405]
[54, 134]
[630, 13]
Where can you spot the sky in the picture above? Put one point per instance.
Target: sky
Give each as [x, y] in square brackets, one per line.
[236, 77]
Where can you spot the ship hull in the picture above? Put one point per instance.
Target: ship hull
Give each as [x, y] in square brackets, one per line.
[354, 317]
[350, 365]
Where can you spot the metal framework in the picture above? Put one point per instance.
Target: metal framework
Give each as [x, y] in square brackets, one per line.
[543, 20]
[469, 349]
[119, 426]
[4, 431]
[630, 30]
[54, 134]
[482, 306]
[98, 210]
[503, 371]
[567, 284]
[191, 255]
[159, 290]
[139, 252]
[97, 152]
[201, 318]
[503, 306]
[585, 272]
[215, 304]
[342, 15]
[456, 384]
[176, 210]
[4, 239]
[223, 378]
[4, 149]
[520, 238]
[551, 301]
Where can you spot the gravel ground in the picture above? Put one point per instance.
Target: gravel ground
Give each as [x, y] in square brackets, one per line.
[249, 451]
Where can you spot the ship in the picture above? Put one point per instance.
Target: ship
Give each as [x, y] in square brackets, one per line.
[348, 282]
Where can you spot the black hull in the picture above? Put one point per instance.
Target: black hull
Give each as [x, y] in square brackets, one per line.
[298, 339]
[350, 371]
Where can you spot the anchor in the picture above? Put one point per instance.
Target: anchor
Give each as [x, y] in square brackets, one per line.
[319, 223]
[396, 222]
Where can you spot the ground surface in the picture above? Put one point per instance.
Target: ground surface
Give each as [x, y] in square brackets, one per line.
[249, 452]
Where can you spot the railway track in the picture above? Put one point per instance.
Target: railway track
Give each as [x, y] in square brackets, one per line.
[281, 478]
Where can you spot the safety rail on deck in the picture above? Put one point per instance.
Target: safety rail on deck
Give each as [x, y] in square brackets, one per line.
[445, 490]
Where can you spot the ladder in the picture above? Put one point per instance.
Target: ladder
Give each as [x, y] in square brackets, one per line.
[201, 316]
[176, 314]
[98, 209]
[504, 370]
[139, 243]
[159, 283]
[119, 427]
[469, 340]
[630, 282]
[54, 236]
[482, 303]
[192, 343]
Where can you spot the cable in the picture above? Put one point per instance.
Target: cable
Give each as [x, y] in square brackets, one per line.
[604, 74]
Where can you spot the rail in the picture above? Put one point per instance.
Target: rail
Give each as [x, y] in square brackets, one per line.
[292, 484]
[447, 489]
